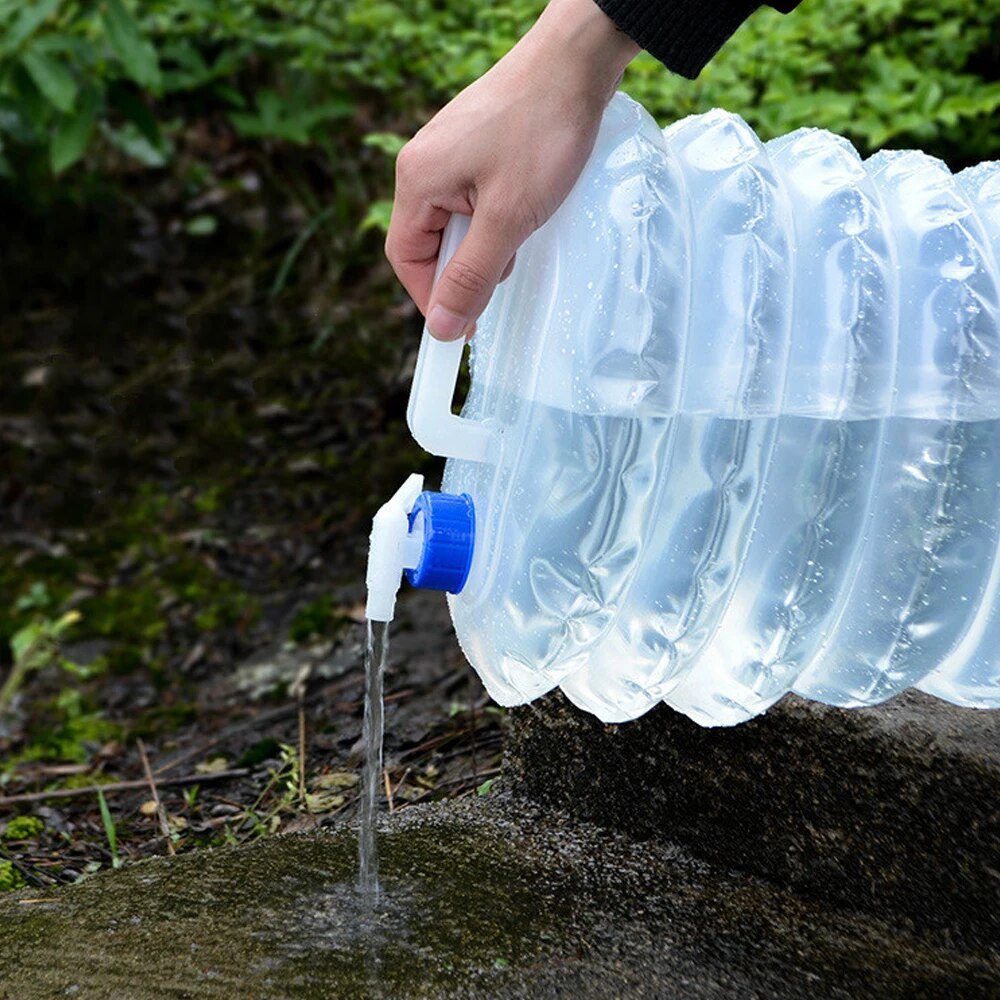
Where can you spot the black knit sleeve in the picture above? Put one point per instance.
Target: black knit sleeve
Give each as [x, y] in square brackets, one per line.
[683, 34]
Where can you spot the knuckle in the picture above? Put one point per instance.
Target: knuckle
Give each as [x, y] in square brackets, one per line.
[513, 219]
[526, 217]
[495, 213]
[469, 277]
[391, 253]
[409, 162]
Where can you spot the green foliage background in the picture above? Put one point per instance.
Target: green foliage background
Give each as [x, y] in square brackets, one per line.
[121, 80]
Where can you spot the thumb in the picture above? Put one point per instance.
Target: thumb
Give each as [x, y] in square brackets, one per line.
[464, 289]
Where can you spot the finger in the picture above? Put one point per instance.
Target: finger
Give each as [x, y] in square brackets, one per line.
[412, 245]
[507, 270]
[464, 289]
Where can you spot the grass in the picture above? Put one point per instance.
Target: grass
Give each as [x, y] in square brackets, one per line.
[109, 829]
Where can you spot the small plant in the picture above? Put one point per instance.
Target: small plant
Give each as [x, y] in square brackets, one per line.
[109, 829]
[35, 646]
[287, 780]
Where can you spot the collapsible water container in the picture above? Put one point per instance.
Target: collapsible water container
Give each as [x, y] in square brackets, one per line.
[733, 431]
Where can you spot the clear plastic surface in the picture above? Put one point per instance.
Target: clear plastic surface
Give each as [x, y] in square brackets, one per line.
[743, 406]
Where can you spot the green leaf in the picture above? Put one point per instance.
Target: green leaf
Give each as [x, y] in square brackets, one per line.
[301, 240]
[64, 623]
[136, 53]
[109, 829]
[72, 134]
[23, 640]
[133, 143]
[33, 16]
[387, 142]
[52, 78]
[287, 118]
[201, 225]
[377, 217]
[38, 596]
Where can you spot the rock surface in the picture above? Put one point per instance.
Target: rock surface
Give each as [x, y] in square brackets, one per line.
[892, 811]
[481, 900]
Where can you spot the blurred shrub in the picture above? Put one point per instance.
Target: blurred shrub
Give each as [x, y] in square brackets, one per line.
[903, 73]
[82, 79]
[119, 74]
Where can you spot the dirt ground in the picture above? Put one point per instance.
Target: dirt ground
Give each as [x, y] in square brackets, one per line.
[189, 460]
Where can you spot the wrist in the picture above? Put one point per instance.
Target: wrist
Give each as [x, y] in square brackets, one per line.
[582, 46]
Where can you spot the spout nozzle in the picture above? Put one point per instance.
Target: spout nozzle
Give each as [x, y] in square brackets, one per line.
[390, 550]
[429, 536]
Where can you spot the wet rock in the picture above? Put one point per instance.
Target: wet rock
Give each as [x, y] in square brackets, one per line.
[892, 811]
[481, 900]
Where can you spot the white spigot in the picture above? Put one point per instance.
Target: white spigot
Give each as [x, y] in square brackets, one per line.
[392, 548]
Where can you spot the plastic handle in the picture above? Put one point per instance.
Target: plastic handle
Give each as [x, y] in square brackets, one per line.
[434, 427]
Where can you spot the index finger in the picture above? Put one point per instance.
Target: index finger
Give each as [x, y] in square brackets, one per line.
[412, 246]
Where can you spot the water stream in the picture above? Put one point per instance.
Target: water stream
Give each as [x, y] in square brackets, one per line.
[376, 653]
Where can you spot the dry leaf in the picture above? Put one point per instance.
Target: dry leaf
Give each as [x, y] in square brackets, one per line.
[177, 823]
[321, 802]
[337, 779]
[213, 766]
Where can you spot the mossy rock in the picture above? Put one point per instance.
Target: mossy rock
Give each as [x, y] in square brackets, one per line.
[477, 903]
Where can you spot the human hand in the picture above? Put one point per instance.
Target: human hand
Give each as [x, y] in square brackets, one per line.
[507, 150]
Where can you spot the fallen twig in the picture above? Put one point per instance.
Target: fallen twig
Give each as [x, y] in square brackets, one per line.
[161, 813]
[298, 690]
[391, 792]
[121, 786]
[435, 742]
[25, 870]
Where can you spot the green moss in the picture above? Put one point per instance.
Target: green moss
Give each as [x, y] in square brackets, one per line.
[457, 903]
[315, 618]
[266, 749]
[150, 579]
[10, 877]
[24, 828]
[143, 587]
[163, 719]
[468, 909]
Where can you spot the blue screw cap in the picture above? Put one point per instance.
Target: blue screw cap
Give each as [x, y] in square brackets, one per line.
[449, 529]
